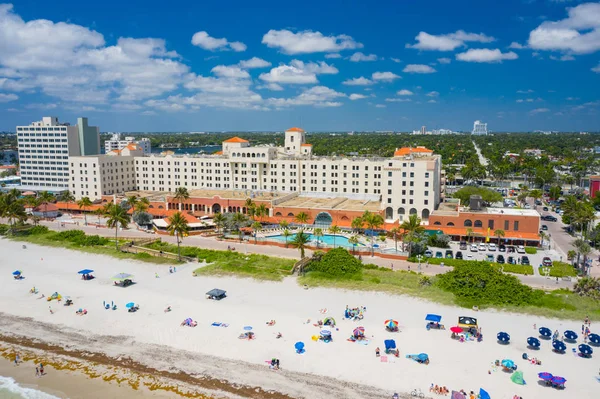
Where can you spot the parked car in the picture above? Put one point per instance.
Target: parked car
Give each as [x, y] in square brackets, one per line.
[549, 218]
[520, 249]
[482, 247]
[500, 259]
[491, 246]
[463, 245]
[545, 208]
[544, 227]
[547, 261]
[439, 255]
[538, 202]
[511, 260]
[527, 206]
[524, 260]
[557, 210]
[458, 255]
[502, 248]
[510, 249]
[428, 253]
[473, 247]
[449, 254]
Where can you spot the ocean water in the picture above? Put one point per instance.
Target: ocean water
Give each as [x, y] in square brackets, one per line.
[9, 389]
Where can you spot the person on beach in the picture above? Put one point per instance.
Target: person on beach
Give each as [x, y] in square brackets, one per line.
[156, 275]
[41, 369]
[37, 371]
[170, 269]
[17, 359]
[377, 352]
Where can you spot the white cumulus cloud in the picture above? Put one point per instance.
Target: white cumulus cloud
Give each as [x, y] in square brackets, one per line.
[384, 76]
[380, 106]
[203, 40]
[418, 68]
[4, 98]
[355, 96]
[596, 68]
[360, 57]
[517, 46]
[317, 96]
[307, 41]
[538, 111]
[362, 81]
[447, 42]
[333, 55]
[398, 100]
[485, 55]
[298, 72]
[254, 62]
[405, 92]
[433, 94]
[444, 60]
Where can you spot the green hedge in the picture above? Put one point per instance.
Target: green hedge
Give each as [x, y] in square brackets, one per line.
[531, 250]
[4, 229]
[560, 269]
[337, 262]
[517, 269]
[78, 237]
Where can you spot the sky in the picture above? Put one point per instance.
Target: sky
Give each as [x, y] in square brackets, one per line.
[341, 65]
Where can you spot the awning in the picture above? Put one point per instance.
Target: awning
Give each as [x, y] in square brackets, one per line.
[433, 317]
[85, 271]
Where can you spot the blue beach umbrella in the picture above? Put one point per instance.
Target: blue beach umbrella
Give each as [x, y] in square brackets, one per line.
[299, 347]
[594, 339]
[545, 332]
[503, 337]
[559, 346]
[570, 335]
[509, 364]
[422, 356]
[17, 273]
[533, 342]
[558, 380]
[248, 328]
[585, 349]
[130, 305]
[545, 376]
[483, 394]
[325, 332]
[389, 344]
[85, 271]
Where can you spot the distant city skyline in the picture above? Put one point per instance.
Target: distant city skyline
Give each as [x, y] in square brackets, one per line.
[325, 66]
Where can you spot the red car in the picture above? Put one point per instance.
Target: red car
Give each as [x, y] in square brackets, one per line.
[547, 261]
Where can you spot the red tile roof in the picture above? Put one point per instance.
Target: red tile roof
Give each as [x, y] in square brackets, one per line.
[306, 145]
[410, 150]
[236, 140]
[295, 129]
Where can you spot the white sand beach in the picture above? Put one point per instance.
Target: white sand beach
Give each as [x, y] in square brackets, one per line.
[340, 369]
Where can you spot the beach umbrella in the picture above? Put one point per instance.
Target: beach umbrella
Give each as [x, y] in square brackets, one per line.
[389, 344]
[299, 347]
[545, 332]
[17, 273]
[517, 378]
[509, 364]
[456, 329]
[545, 376]
[433, 317]
[248, 328]
[559, 346]
[130, 305]
[558, 380]
[483, 394]
[533, 342]
[570, 335]
[358, 331]
[503, 337]
[123, 276]
[391, 324]
[325, 332]
[457, 395]
[586, 349]
[594, 338]
[422, 356]
[85, 271]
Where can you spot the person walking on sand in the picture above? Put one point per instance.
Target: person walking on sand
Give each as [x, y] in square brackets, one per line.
[17, 359]
[37, 371]
[41, 369]
[156, 275]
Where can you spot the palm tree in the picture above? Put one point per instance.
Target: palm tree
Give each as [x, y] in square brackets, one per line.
[256, 227]
[353, 240]
[67, 197]
[142, 205]
[300, 241]
[286, 233]
[470, 234]
[284, 224]
[262, 211]
[395, 231]
[499, 233]
[239, 219]
[334, 230]
[84, 203]
[100, 212]
[117, 217]
[12, 209]
[373, 221]
[132, 200]
[357, 224]
[302, 218]
[536, 195]
[318, 233]
[178, 226]
[250, 207]
[45, 197]
[181, 194]
[413, 227]
[219, 221]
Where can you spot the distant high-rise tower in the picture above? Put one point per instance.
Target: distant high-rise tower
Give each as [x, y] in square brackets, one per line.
[479, 128]
[423, 130]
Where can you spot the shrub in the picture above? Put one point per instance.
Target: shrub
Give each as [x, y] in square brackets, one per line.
[518, 269]
[68, 235]
[37, 230]
[588, 287]
[4, 229]
[531, 250]
[439, 241]
[337, 262]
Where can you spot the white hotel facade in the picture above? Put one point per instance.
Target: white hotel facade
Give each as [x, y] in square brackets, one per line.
[408, 183]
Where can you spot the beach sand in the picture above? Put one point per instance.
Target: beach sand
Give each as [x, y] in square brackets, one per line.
[216, 358]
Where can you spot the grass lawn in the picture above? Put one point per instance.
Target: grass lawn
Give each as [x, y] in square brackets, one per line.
[531, 250]
[230, 263]
[560, 269]
[508, 268]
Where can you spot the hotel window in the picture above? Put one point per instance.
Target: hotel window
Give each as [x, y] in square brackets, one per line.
[490, 224]
[516, 226]
[506, 222]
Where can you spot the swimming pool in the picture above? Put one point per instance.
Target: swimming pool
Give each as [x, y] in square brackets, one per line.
[340, 241]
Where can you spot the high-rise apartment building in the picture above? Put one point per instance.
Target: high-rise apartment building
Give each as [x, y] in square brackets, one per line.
[115, 143]
[479, 128]
[45, 147]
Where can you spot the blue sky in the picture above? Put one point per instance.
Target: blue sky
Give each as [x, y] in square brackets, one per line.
[325, 65]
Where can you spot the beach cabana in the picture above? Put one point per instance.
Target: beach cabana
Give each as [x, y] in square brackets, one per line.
[86, 274]
[391, 325]
[216, 294]
[503, 338]
[585, 350]
[545, 332]
[559, 346]
[570, 336]
[533, 343]
[434, 321]
[123, 279]
[594, 339]
[329, 321]
[132, 307]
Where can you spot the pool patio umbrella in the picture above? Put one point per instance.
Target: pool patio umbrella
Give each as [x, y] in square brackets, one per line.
[570, 335]
[558, 380]
[17, 273]
[503, 337]
[585, 349]
[130, 305]
[456, 329]
[545, 332]
[533, 342]
[509, 364]
[594, 339]
[559, 346]
[85, 271]
[545, 376]
[299, 347]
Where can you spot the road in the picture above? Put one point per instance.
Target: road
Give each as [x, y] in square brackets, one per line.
[482, 160]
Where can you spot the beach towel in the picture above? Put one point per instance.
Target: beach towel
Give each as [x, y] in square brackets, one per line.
[384, 359]
[216, 324]
[363, 342]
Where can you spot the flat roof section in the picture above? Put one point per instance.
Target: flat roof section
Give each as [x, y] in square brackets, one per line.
[210, 193]
[512, 212]
[331, 203]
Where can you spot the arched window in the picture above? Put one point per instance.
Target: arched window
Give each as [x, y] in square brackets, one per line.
[243, 155]
[216, 208]
[468, 223]
[412, 211]
[345, 218]
[437, 223]
[389, 213]
[263, 155]
[323, 219]
[425, 214]
[161, 207]
[151, 206]
[478, 223]
[278, 214]
[401, 211]
[253, 155]
[450, 224]
[291, 215]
